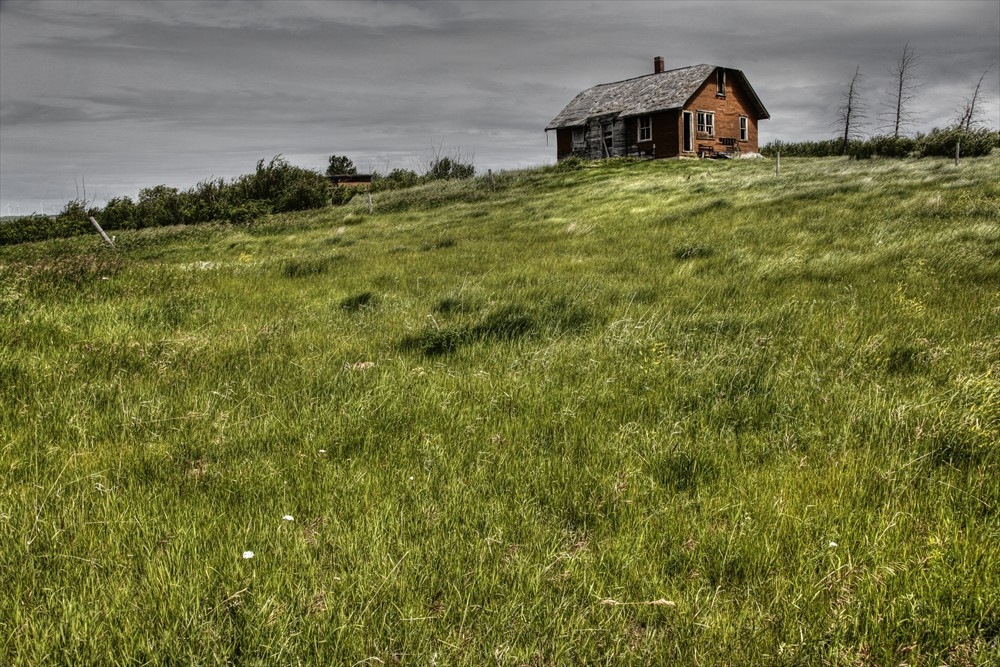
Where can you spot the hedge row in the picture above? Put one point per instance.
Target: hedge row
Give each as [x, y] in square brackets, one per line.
[937, 142]
[274, 187]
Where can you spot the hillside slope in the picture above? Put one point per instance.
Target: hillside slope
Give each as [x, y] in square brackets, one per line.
[658, 413]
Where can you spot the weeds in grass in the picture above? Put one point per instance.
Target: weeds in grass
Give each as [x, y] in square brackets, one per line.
[503, 324]
[361, 301]
[307, 267]
[691, 251]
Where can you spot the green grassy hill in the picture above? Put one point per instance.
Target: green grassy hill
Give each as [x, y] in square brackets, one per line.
[659, 413]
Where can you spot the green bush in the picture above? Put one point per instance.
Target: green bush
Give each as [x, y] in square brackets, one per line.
[396, 179]
[28, 228]
[306, 190]
[119, 213]
[208, 200]
[881, 146]
[340, 195]
[247, 211]
[286, 187]
[443, 168]
[941, 143]
[824, 148]
[160, 206]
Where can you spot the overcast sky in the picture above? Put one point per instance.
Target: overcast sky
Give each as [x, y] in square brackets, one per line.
[123, 95]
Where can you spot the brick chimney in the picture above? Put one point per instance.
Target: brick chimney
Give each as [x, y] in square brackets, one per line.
[658, 65]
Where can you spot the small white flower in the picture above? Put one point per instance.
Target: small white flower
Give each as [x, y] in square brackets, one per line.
[322, 451]
[833, 545]
[247, 555]
[411, 478]
[288, 517]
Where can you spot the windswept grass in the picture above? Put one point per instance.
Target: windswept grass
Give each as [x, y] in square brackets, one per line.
[658, 413]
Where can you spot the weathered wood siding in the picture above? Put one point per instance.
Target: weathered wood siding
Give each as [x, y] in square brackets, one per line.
[625, 138]
[591, 145]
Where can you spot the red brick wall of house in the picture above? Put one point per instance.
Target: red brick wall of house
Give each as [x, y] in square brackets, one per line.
[727, 111]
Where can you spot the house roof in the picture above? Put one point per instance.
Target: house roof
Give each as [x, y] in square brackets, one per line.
[643, 95]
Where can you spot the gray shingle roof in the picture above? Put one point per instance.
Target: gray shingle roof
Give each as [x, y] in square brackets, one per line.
[641, 95]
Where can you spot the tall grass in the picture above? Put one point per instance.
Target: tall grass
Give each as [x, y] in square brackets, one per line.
[654, 413]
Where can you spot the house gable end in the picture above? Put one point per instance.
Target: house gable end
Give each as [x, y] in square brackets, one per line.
[733, 77]
[726, 121]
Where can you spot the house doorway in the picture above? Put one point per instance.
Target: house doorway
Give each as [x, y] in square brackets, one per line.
[608, 133]
[688, 132]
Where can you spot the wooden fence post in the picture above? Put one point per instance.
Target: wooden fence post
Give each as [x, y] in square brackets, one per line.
[777, 164]
[958, 145]
[369, 202]
[103, 235]
[492, 183]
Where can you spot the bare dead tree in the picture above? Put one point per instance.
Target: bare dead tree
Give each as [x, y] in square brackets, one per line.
[904, 88]
[970, 113]
[852, 113]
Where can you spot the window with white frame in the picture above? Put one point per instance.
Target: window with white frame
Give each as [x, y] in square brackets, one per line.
[645, 128]
[744, 129]
[706, 124]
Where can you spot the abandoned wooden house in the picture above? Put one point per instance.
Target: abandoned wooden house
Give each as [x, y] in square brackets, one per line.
[703, 110]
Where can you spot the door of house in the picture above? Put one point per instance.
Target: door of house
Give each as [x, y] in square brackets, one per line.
[607, 130]
[688, 132]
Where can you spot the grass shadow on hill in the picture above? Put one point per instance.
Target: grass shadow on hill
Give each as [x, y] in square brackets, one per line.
[505, 323]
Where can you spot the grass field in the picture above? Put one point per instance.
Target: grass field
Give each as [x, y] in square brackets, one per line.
[663, 413]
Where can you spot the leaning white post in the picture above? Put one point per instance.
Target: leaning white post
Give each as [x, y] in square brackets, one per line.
[103, 235]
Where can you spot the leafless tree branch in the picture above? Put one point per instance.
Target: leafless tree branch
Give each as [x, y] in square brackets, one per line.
[905, 86]
[852, 112]
[970, 113]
